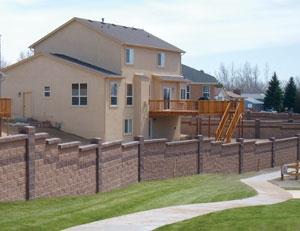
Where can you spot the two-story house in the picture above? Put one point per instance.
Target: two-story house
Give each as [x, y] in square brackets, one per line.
[97, 79]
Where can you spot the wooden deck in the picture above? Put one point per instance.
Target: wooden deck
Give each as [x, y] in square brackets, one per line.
[231, 113]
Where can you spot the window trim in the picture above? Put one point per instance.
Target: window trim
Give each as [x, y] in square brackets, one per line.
[79, 95]
[163, 59]
[110, 95]
[47, 97]
[132, 96]
[131, 56]
[130, 128]
[182, 89]
[203, 92]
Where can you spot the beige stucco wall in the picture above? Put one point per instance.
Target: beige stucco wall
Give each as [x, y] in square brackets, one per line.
[145, 63]
[197, 91]
[145, 60]
[83, 43]
[34, 75]
[166, 127]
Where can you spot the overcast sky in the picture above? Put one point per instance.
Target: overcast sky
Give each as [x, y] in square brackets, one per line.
[210, 31]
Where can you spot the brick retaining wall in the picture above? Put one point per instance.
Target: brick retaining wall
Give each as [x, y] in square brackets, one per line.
[33, 165]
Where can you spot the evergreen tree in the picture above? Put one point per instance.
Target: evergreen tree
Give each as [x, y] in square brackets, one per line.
[297, 104]
[290, 94]
[274, 95]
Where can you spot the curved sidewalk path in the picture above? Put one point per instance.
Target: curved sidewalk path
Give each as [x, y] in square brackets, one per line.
[152, 219]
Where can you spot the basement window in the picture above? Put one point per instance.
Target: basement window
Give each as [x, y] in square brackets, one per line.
[79, 94]
[128, 126]
[47, 92]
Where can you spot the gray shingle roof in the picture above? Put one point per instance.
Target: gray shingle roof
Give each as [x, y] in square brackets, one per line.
[197, 76]
[130, 35]
[86, 65]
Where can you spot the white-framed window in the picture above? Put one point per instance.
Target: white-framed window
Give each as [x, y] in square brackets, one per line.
[128, 126]
[161, 59]
[113, 93]
[188, 92]
[182, 94]
[129, 94]
[79, 94]
[47, 91]
[206, 91]
[129, 56]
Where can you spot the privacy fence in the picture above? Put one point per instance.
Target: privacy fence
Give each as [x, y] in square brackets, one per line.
[33, 165]
[252, 129]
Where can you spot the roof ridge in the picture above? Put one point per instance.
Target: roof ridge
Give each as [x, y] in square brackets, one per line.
[113, 24]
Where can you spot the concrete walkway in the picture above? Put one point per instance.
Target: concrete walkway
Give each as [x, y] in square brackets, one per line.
[152, 219]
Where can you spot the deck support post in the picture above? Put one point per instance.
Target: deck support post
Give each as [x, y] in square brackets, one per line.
[0, 126]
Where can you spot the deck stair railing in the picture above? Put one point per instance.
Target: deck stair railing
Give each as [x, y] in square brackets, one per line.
[230, 119]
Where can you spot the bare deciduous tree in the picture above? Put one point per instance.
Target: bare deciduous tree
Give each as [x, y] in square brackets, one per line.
[25, 54]
[246, 78]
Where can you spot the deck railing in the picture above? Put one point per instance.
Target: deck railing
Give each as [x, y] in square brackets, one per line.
[194, 107]
[5, 107]
[173, 106]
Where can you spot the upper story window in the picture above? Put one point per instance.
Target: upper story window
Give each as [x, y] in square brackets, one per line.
[113, 93]
[129, 56]
[47, 92]
[206, 91]
[182, 94]
[129, 94]
[161, 59]
[79, 94]
[188, 92]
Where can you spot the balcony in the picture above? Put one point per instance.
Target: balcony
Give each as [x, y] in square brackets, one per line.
[191, 107]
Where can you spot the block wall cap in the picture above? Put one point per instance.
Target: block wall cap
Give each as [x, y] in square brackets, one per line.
[53, 141]
[13, 138]
[156, 141]
[113, 143]
[130, 144]
[69, 145]
[88, 147]
[173, 143]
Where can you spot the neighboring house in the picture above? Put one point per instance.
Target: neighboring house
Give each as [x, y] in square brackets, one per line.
[221, 94]
[3, 76]
[259, 97]
[201, 84]
[253, 104]
[96, 79]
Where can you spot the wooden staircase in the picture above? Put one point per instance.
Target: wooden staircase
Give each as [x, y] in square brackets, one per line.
[232, 114]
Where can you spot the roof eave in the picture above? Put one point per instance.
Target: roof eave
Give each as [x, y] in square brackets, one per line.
[153, 47]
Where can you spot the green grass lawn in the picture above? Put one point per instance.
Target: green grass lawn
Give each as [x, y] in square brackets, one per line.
[282, 217]
[60, 213]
